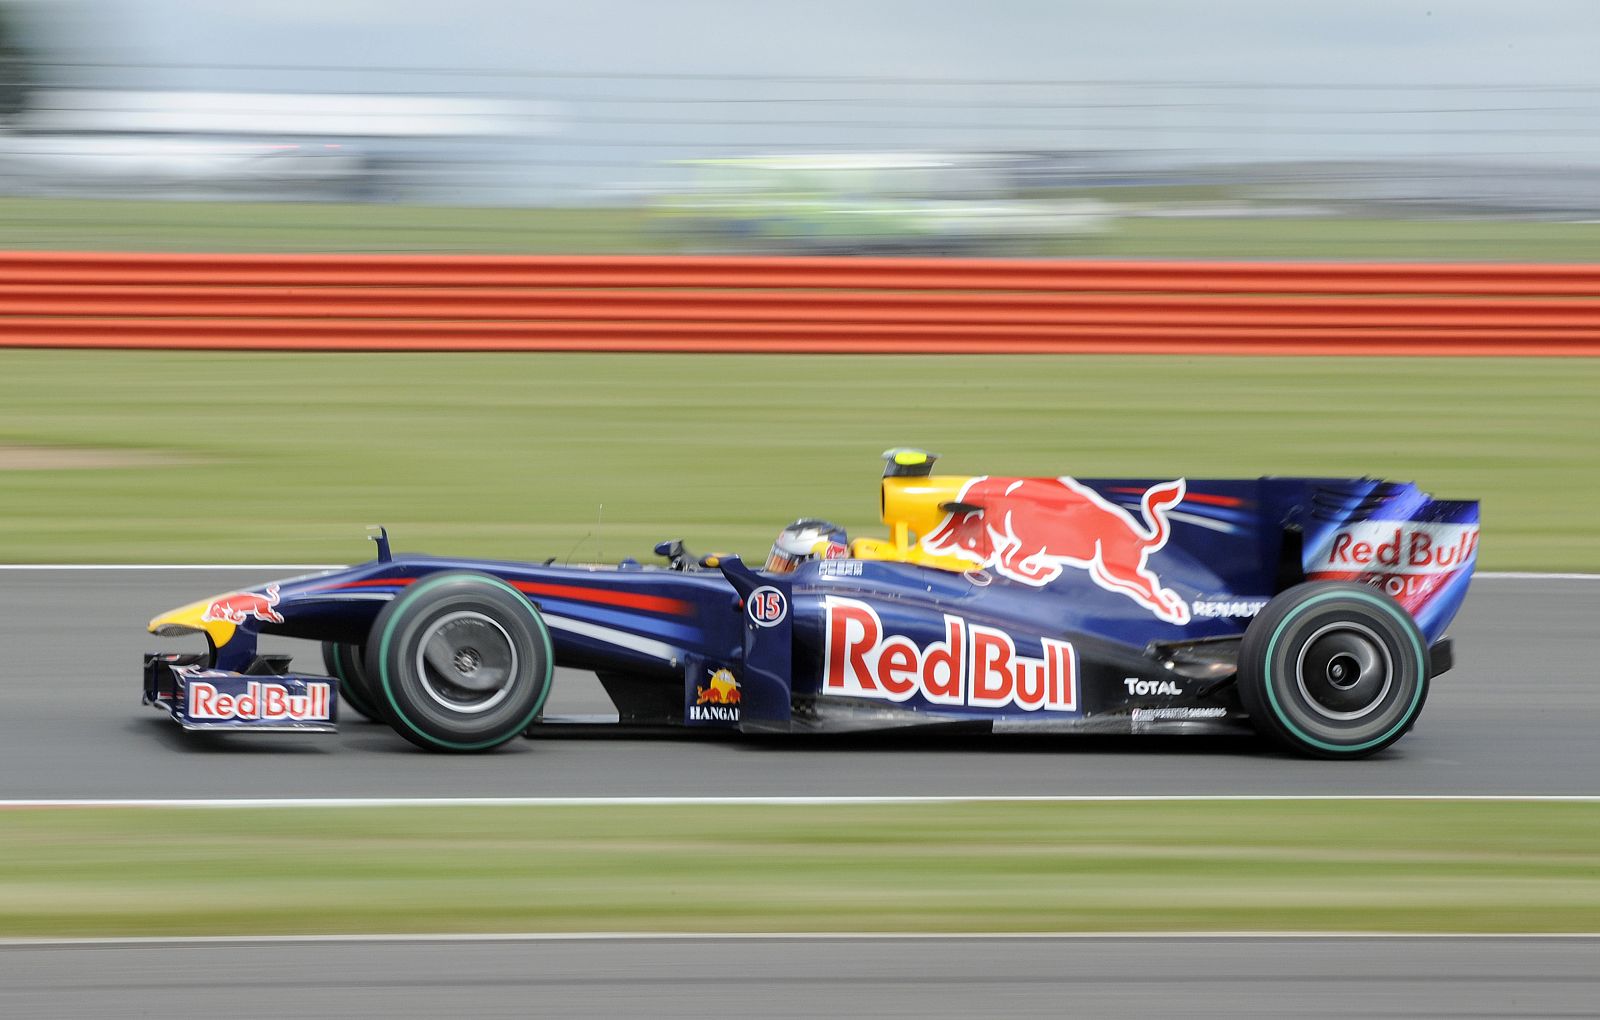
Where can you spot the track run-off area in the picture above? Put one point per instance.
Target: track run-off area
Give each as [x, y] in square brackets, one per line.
[1515, 717]
[806, 976]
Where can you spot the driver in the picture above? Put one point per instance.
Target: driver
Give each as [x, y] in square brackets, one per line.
[809, 538]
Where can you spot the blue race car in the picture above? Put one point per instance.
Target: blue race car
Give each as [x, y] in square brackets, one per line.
[1312, 610]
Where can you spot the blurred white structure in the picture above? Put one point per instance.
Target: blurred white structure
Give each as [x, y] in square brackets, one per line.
[273, 113]
[205, 145]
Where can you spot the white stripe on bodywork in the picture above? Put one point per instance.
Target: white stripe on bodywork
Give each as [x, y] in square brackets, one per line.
[1195, 519]
[609, 635]
[1202, 522]
[350, 596]
[612, 636]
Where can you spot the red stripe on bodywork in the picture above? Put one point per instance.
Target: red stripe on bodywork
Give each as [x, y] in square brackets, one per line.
[377, 582]
[578, 593]
[1190, 497]
[649, 603]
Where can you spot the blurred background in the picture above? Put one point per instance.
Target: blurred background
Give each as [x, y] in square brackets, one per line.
[1250, 129]
[1017, 128]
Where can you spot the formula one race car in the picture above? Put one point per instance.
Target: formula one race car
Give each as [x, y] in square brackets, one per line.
[1310, 609]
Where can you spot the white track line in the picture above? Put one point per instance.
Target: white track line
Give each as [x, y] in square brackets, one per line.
[778, 936]
[276, 567]
[1483, 575]
[1523, 575]
[780, 801]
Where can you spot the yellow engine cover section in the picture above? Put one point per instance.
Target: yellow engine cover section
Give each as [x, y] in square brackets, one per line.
[911, 510]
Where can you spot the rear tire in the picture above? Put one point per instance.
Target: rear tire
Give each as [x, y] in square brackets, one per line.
[1333, 670]
[346, 663]
[459, 661]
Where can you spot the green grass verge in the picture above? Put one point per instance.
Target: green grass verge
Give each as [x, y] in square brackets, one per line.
[1191, 866]
[81, 225]
[284, 458]
[77, 224]
[1329, 238]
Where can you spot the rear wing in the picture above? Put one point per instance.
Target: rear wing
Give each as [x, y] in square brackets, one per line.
[1396, 538]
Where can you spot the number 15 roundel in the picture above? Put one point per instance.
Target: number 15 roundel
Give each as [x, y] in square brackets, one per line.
[767, 606]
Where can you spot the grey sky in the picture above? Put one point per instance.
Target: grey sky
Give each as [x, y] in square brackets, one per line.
[1140, 59]
[1256, 40]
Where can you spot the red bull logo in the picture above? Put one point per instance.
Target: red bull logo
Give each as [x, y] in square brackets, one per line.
[242, 605]
[1031, 529]
[260, 702]
[1410, 560]
[722, 689]
[717, 700]
[1406, 546]
[974, 665]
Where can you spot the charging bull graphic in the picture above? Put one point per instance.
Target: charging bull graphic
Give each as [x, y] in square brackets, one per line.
[240, 606]
[723, 690]
[1029, 529]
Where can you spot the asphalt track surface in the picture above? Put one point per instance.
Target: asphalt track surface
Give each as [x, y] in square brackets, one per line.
[805, 977]
[1516, 716]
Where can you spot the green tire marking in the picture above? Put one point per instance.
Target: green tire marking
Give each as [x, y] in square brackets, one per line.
[383, 661]
[1383, 604]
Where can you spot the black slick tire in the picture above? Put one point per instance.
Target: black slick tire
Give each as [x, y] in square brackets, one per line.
[346, 663]
[459, 661]
[1333, 670]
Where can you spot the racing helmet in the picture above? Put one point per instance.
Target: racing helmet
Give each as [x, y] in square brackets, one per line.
[809, 538]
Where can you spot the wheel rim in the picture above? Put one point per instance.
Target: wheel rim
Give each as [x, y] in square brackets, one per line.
[1344, 671]
[466, 662]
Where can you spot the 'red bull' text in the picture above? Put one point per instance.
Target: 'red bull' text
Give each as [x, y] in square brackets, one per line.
[974, 666]
[260, 702]
[1417, 549]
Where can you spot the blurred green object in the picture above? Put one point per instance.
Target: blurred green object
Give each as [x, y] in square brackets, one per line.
[1353, 865]
[880, 202]
[90, 225]
[285, 458]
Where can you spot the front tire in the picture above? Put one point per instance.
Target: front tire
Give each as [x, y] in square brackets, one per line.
[1333, 670]
[460, 661]
[346, 663]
